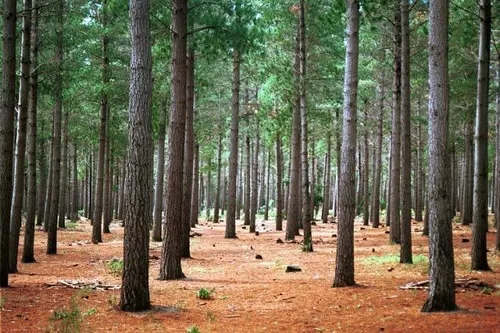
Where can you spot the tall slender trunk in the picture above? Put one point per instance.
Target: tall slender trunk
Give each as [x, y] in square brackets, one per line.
[106, 203]
[208, 203]
[468, 174]
[442, 268]
[74, 201]
[267, 186]
[327, 177]
[24, 85]
[294, 205]
[312, 182]
[344, 267]
[160, 171]
[366, 169]
[279, 184]
[188, 154]
[497, 158]
[378, 152]
[233, 155]
[56, 156]
[255, 181]
[395, 235]
[42, 188]
[99, 189]
[239, 201]
[337, 177]
[121, 204]
[170, 266]
[479, 259]
[405, 233]
[419, 168]
[195, 187]
[247, 181]
[217, 186]
[29, 233]
[64, 171]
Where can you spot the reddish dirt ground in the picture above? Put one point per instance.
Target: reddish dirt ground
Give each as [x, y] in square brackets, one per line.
[251, 295]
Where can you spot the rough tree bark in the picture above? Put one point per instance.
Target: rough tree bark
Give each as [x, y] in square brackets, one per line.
[160, 171]
[327, 177]
[479, 260]
[279, 184]
[195, 187]
[497, 157]
[405, 255]
[217, 186]
[56, 141]
[442, 268]
[7, 132]
[29, 233]
[188, 155]
[138, 214]
[170, 266]
[247, 181]
[255, 180]
[64, 171]
[466, 211]
[344, 268]
[366, 168]
[19, 180]
[395, 235]
[233, 155]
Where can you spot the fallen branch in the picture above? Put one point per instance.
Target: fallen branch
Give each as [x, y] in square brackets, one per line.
[464, 283]
[96, 285]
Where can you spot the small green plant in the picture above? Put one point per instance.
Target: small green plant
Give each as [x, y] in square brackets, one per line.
[71, 225]
[67, 320]
[112, 301]
[204, 293]
[115, 266]
[90, 312]
[3, 300]
[193, 329]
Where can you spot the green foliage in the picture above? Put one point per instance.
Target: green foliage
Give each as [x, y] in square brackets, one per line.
[392, 259]
[193, 329]
[115, 266]
[204, 293]
[67, 320]
[3, 300]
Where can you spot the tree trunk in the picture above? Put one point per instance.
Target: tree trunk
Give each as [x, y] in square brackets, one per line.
[419, 169]
[327, 177]
[344, 268]
[121, 204]
[255, 181]
[160, 168]
[106, 204]
[217, 188]
[208, 203]
[42, 189]
[7, 132]
[468, 174]
[233, 157]
[294, 205]
[405, 233]
[479, 260]
[135, 279]
[442, 268]
[247, 182]
[56, 156]
[267, 186]
[395, 235]
[497, 157]
[188, 155]
[312, 183]
[366, 169]
[99, 189]
[239, 201]
[18, 192]
[29, 233]
[195, 187]
[64, 172]
[170, 266]
[279, 184]
[74, 201]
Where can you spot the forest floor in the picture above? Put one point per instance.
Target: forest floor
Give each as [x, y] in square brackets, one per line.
[250, 295]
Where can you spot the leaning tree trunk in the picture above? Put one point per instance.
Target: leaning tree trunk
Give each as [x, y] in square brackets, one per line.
[479, 259]
[17, 201]
[279, 184]
[405, 250]
[395, 235]
[442, 268]
[56, 156]
[344, 268]
[138, 216]
[233, 155]
[170, 266]
[29, 233]
[160, 170]
[188, 155]
[7, 112]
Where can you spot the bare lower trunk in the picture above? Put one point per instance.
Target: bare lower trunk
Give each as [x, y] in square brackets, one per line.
[217, 186]
[195, 187]
[255, 182]
[160, 171]
[279, 184]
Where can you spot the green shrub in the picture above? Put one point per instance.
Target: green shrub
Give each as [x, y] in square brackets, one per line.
[193, 329]
[115, 266]
[204, 293]
[67, 320]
